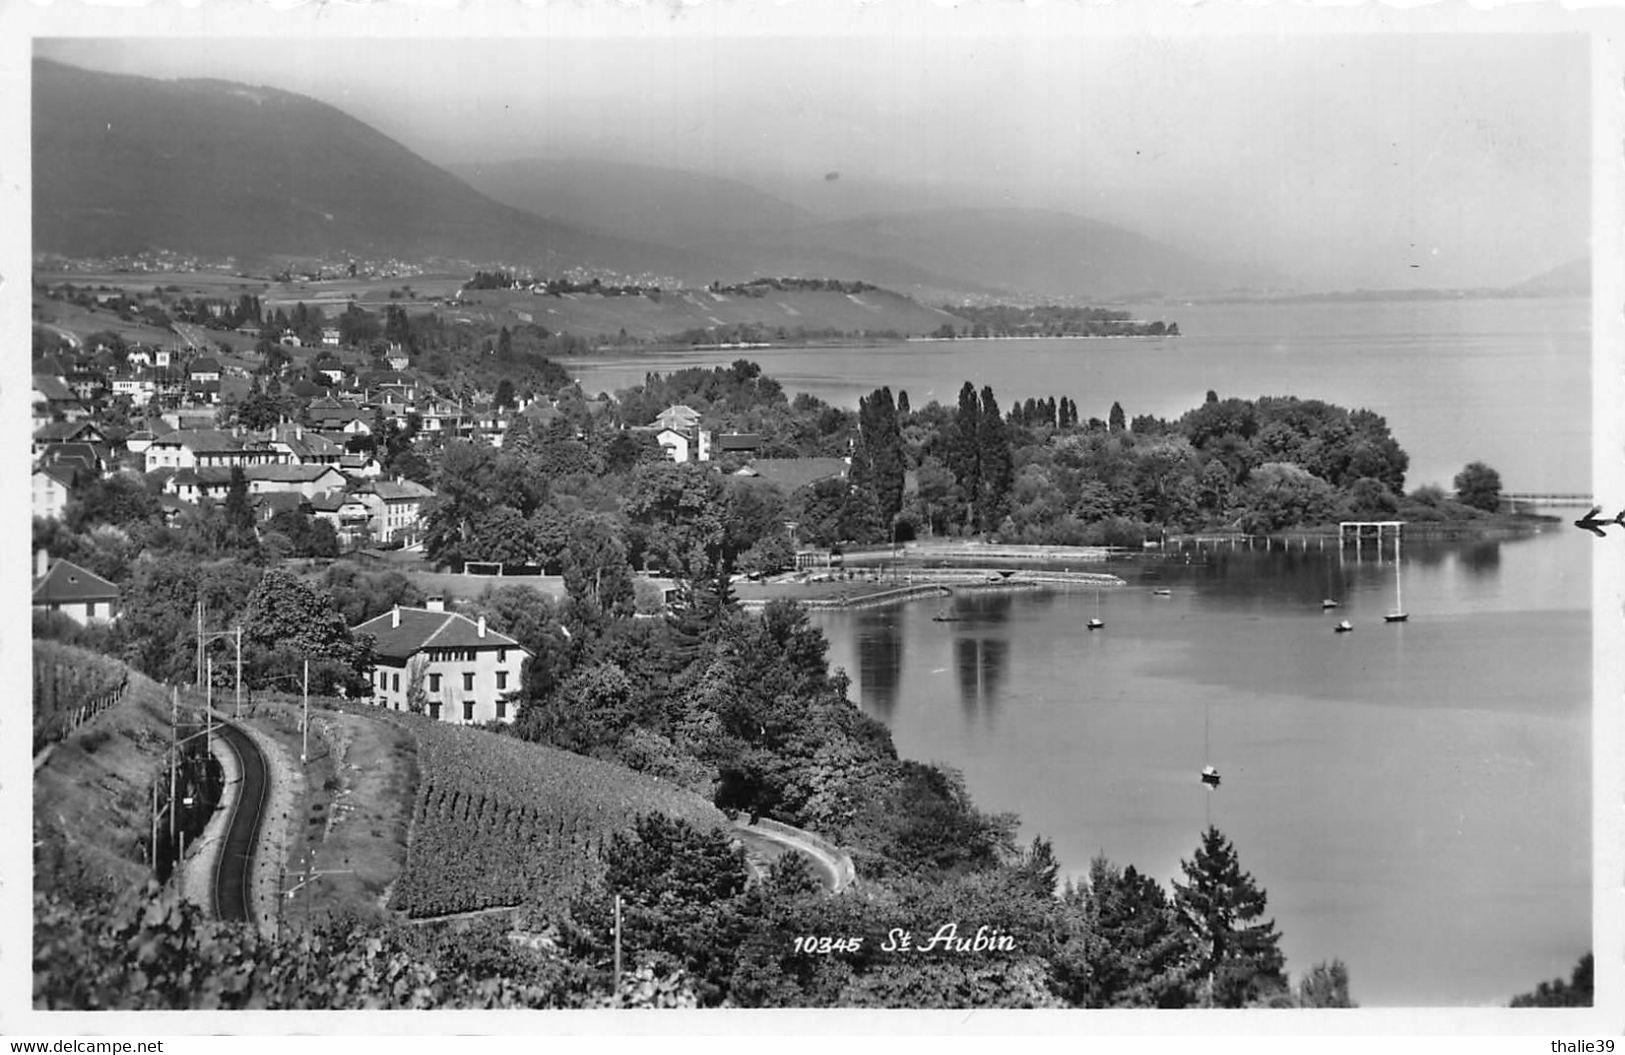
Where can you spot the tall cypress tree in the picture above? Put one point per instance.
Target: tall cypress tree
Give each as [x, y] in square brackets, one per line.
[993, 443]
[964, 451]
[1116, 422]
[1239, 954]
[239, 513]
[877, 456]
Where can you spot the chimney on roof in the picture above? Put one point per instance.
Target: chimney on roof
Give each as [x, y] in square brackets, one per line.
[436, 603]
[395, 618]
[42, 562]
[482, 626]
[299, 432]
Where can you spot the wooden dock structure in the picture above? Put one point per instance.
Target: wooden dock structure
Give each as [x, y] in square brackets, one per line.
[1360, 532]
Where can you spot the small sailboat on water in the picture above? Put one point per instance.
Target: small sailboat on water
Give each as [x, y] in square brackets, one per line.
[1210, 772]
[1096, 623]
[1343, 627]
[1328, 604]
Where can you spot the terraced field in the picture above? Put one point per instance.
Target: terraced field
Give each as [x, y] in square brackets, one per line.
[498, 821]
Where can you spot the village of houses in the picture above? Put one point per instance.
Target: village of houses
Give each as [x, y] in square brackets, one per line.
[308, 467]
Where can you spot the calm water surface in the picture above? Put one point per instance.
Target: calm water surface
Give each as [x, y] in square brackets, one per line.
[1415, 798]
[1502, 381]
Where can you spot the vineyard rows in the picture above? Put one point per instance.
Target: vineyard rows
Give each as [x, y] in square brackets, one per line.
[499, 821]
[71, 685]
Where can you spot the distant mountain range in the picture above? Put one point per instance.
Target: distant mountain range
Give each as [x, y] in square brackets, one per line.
[1570, 279]
[931, 251]
[124, 164]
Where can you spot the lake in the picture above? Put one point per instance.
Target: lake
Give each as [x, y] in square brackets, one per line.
[1506, 382]
[1415, 798]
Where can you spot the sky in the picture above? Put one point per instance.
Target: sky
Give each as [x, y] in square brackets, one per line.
[1335, 161]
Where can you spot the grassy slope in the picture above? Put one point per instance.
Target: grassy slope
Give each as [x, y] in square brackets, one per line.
[646, 319]
[577, 313]
[354, 816]
[91, 799]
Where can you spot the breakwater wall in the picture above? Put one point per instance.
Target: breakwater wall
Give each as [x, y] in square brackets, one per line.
[948, 587]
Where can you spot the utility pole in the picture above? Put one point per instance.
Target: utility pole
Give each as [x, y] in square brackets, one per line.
[239, 712]
[208, 708]
[304, 725]
[617, 943]
[174, 755]
[200, 639]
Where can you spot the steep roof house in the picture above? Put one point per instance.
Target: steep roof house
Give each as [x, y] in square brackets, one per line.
[467, 670]
[396, 507]
[680, 417]
[304, 447]
[210, 449]
[66, 432]
[52, 487]
[65, 587]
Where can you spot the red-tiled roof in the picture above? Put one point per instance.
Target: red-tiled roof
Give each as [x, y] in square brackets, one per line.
[421, 628]
[791, 474]
[389, 490]
[67, 583]
[65, 474]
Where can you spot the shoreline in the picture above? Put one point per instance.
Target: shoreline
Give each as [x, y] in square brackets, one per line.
[854, 594]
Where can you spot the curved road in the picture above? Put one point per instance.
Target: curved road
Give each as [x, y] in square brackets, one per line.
[830, 874]
[235, 868]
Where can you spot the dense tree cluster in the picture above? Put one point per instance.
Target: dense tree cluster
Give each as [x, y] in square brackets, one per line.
[1575, 991]
[758, 287]
[1052, 320]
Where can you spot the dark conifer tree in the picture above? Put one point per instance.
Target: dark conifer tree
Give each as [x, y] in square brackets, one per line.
[239, 514]
[878, 462]
[1117, 422]
[964, 450]
[1049, 412]
[1238, 951]
[993, 444]
[902, 403]
[1141, 955]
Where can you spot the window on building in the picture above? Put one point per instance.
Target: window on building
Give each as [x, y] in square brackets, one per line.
[434, 683]
[502, 655]
[468, 710]
[502, 708]
[395, 683]
[434, 710]
[468, 682]
[502, 679]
